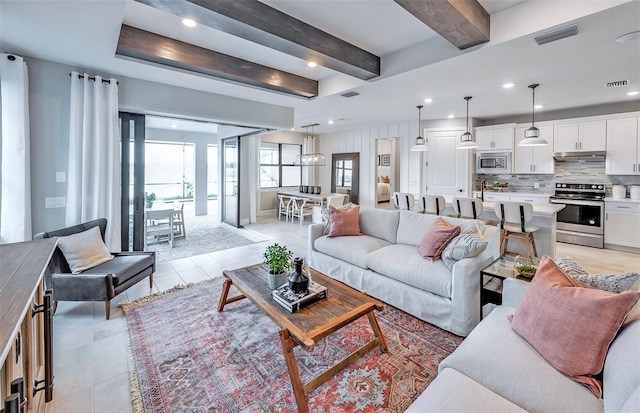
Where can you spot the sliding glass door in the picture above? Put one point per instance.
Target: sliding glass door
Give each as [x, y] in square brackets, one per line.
[231, 181]
[132, 136]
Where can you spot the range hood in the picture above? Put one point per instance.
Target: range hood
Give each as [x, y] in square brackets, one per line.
[579, 156]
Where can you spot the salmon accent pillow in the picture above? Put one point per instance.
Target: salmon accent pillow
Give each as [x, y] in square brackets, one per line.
[344, 222]
[436, 239]
[569, 325]
[384, 179]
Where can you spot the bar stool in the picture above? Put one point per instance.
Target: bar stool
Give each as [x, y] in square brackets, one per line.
[403, 200]
[432, 204]
[284, 207]
[467, 207]
[513, 218]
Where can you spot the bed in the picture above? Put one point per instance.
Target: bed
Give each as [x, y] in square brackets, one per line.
[383, 191]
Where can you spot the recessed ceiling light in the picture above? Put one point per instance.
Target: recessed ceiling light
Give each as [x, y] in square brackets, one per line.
[292, 129]
[629, 36]
[428, 100]
[312, 64]
[173, 125]
[633, 93]
[537, 107]
[330, 122]
[450, 116]
[189, 22]
[508, 85]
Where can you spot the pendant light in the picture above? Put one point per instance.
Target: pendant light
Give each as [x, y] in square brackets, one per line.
[532, 135]
[466, 141]
[420, 145]
[310, 159]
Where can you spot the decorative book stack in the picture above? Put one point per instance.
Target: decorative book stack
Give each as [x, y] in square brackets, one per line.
[296, 301]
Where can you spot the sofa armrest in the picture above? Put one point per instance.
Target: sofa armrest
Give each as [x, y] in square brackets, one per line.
[81, 287]
[315, 232]
[512, 291]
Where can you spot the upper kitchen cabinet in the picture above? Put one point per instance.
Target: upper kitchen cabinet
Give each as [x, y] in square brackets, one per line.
[623, 146]
[587, 136]
[494, 138]
[534, 159]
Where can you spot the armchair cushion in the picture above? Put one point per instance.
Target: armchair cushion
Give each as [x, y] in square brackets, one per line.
[123, 267]
[84, 250]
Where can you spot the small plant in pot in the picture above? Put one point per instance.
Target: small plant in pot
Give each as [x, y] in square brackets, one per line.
[280, 261]
[149, 198]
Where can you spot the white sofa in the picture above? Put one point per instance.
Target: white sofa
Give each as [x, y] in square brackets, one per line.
[496, 370]
[385, 263]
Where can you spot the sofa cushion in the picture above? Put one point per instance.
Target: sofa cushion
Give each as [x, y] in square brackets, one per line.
[470, 243]
[435, 240]
[498, 358]
[352, 249]
[405, 264]
[379, 223]
[621, 374]
[452, 391]
[615, 283]
[344, 222]
[123, 267]
[84, 250]
[571, 326]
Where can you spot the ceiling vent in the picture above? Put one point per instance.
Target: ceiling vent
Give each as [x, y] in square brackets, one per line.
[349, 94]
[618, 83]
[556, 35]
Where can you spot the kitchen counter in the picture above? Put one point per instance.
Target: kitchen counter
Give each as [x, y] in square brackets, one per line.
[629, 200]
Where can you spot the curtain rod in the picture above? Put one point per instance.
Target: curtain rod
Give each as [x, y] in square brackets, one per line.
[81, 76]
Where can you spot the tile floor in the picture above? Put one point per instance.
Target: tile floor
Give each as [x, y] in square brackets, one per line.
[90, 353]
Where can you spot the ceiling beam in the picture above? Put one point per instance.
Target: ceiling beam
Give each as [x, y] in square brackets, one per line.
[152, 47]
[262, 24]
[464, 23]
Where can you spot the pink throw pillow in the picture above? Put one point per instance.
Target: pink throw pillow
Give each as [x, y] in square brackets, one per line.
[436, 239]
[571, 326]
[344, 222]
[385, 179]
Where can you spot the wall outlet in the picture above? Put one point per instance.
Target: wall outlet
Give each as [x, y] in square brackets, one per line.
[55, 202]
[61, 176]
[536, 185]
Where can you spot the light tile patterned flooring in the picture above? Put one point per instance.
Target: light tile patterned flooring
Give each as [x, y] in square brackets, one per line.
[90, 353]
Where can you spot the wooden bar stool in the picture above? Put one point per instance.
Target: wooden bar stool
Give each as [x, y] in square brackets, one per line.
[432, 204]
[403, 200]
[513, 218]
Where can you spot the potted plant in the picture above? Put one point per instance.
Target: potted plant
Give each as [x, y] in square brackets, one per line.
[149, 198]
[279, 259]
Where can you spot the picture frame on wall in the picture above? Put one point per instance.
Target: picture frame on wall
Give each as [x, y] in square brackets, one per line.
[384, 159]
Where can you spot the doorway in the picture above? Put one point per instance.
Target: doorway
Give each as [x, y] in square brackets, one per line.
[387, 179]
[231, 183]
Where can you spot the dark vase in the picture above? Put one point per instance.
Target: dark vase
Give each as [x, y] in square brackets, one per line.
[298, 281]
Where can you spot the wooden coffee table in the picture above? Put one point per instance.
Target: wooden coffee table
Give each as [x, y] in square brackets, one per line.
[306, 327]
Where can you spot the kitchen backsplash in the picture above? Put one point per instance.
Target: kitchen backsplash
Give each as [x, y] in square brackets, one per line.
[570, 172]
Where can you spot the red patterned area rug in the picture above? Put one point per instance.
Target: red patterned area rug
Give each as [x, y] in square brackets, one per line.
[187, 357]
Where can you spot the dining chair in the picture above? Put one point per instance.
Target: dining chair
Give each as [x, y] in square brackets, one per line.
[158, 223]
[431, 204]
[334, 201]
[179, 230]
[300, 209]
[403, 200]
[514, 217]
[284, 206]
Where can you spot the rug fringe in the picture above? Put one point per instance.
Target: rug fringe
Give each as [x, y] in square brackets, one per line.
[162, 294]
[134, 385]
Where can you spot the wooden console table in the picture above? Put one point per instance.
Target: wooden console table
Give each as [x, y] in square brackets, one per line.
[26, 324]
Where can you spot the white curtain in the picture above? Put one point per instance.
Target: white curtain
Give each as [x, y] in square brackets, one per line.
[15, 205]
[93, 189]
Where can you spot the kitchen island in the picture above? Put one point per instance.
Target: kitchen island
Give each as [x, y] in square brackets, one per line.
[544, 216]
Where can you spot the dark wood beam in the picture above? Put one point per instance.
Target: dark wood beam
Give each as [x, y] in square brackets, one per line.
[262, 24]
[152, 47]
[464, 23]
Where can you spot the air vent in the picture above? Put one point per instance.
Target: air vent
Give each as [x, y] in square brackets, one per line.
[556, 35]
[618, 83]
[349, 94]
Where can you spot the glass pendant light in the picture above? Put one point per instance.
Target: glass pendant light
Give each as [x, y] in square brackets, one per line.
[532, 135]
[420, 145]
[310, 159]
[466, 141]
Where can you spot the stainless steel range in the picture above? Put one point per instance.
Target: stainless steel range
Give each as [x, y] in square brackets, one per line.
[582, 220]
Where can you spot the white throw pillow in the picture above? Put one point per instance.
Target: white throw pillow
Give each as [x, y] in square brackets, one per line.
[84, 250]
[615, 283]
[469, 243]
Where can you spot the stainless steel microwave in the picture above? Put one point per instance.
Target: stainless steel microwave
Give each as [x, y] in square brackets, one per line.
[493, 163]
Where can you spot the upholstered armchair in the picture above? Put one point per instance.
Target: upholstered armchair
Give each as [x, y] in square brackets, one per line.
[102, 282]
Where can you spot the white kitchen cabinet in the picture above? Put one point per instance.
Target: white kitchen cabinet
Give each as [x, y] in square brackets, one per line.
[584, 136]
[623, 146]
[494, 138]
[534, 159]
[532, 199]
[489, 197]
[622, 224]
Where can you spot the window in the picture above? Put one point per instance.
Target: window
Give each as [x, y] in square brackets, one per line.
[277, 165]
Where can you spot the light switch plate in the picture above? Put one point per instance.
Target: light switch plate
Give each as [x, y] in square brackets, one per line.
[61, 176]
[55, 202]
[536, 185]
